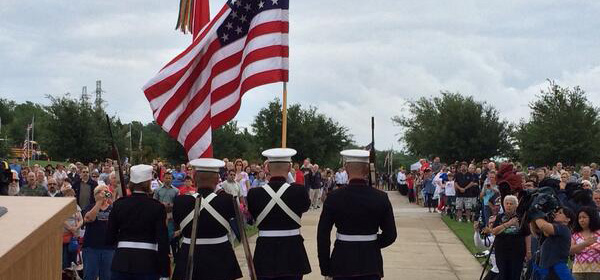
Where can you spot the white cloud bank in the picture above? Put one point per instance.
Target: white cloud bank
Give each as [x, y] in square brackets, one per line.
[352, 59]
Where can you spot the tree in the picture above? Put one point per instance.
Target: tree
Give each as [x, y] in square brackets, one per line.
[7, 108]
[21, 116]
[397, 160]
[229, 141]
[312, 134]
[76, 131]
[454, 127]
[4, 148]
[563, 126]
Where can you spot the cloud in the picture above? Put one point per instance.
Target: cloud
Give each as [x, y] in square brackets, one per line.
[351, 60]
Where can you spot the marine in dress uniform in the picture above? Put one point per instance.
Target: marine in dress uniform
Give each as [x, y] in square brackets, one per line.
[358, 211]
[277, 208]
[137, 228]
[214, 258]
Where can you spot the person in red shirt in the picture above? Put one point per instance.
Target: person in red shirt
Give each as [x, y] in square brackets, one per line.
[188, 186]
[424, 164]
[299, 174]
[410, 182]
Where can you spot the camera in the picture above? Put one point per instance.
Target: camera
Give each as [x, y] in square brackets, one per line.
[108, 194]
[543, 199]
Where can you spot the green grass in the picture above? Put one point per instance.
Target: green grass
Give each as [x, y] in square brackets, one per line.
[250, 231]
[464, 232]
[43, 163]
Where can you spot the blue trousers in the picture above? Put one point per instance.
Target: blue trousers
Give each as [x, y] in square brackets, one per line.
[117, 275]
[96, 263]
[68, 257]
[561, 270]
[487, 213]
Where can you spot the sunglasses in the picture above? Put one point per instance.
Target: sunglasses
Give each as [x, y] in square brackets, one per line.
[94, 176]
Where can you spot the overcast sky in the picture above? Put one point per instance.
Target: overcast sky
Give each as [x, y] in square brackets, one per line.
[351, 59]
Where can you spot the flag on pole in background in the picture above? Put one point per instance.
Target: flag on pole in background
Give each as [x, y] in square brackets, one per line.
[244, 46]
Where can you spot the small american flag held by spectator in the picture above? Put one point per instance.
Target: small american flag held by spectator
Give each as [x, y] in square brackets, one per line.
[244, 46]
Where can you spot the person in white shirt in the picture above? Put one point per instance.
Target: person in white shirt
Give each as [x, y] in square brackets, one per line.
[230, 186]
[341, 178]
[485, 243]
[438, 181]
[60, 174]
[401, 180]
[450, 194]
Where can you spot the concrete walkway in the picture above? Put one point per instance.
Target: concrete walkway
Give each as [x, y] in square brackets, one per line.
[425, 247]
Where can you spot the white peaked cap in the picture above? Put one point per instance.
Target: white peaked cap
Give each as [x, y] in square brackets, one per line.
[207, 164]
[279, 154]
[355, 155]
[141, 173]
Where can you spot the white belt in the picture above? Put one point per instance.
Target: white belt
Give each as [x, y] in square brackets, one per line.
[207, 241]
[278, 233]
[138, 245]
[356, 238]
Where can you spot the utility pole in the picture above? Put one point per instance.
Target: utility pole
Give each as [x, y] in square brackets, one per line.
[84, 95]
[98, 94]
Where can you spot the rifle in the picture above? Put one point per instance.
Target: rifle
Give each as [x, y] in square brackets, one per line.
[372, 171]
[244, 238]
[115, 155]
[190, 260]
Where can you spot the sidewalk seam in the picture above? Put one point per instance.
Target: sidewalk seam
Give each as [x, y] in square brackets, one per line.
[437, 243]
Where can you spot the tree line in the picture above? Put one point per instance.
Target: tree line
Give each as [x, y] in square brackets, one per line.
[76, 129]
[563, 126]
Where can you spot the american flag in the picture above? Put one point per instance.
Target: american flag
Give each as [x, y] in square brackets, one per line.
[244, 46]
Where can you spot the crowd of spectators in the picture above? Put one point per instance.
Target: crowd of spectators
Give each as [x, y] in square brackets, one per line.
[96, 186]
[489, 193]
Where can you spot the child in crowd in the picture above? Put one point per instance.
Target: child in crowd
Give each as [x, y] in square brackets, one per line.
[439, 180]
[449, 193]
[429, 190]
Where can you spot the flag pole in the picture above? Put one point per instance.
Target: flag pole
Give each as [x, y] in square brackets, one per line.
[372, 173]
[284, 117]
[130, 145]
[27, 147]
[32, 131]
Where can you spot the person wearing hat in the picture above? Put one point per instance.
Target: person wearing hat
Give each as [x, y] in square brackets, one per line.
[137, 228]
[214, 258]
[358, 211]
[277, 208]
